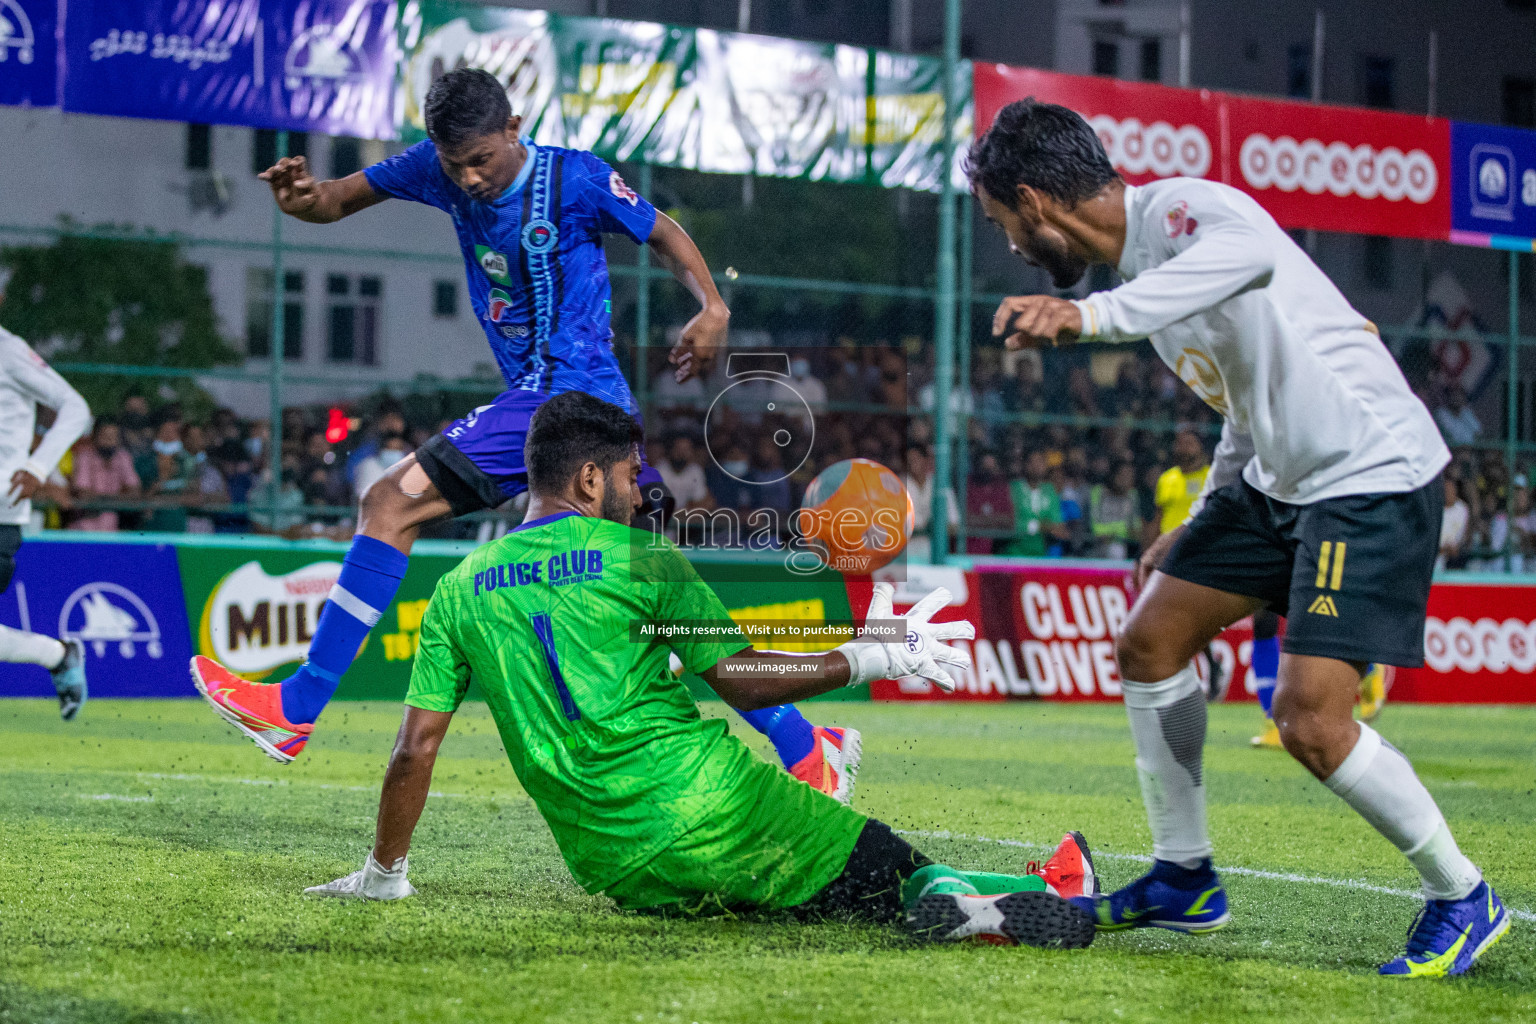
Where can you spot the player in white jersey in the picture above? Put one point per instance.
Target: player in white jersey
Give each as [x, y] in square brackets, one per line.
[1322, 503]
[26, 382]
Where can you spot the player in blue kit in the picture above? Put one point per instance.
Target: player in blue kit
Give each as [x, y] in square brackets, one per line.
[530, 221]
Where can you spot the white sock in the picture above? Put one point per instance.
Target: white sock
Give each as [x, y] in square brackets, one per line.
[1168, 725]
[19, 648]
[1377, 781]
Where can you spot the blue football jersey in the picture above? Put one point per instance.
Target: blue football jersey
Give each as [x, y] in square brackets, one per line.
[538, 279]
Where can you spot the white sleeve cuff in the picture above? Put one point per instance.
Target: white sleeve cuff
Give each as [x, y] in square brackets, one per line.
[1090, 317]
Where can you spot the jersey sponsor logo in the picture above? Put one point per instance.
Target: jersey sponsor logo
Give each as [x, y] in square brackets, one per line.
[499, 303]
[557, 571]
[540, 236]
[1196, 369]
[254, 622]
[100, 614]
[617, 187]
[1323, 605]
[575, 567]
[1158, 148]
[1317, 167]
[508, 574]
[493, 264]
[1176, 221]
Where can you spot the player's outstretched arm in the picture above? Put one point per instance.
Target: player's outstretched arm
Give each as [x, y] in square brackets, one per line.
[299, 195]
[705, 334]
[888, 648]
[406, 782]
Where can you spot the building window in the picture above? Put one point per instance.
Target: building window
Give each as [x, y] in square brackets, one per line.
[1376, 75]
[264, 147]
[1520, 102]
[258, 314]
[445, 299]
[346, 156]
[353, 336]
[1377, 263]
[1151, 60]
[1106, 57]
[199, 147]
[1298, 71]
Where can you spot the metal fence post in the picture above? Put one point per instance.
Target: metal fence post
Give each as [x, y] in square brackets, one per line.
[1511, 419]
[643, 307]
[963, 340]
[275, 352]
[944, 301]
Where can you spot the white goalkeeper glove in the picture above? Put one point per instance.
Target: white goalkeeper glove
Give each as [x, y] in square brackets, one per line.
[373, 882]
[922, 652]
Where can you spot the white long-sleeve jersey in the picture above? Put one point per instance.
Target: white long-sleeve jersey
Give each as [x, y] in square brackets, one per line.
[26, 382]
[1314, 405]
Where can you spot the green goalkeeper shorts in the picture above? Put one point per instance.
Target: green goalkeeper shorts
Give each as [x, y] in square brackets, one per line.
[775, 843]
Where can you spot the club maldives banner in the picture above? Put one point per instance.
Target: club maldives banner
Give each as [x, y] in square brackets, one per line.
[696, 98]
[316, 65]
[1328, 168]
[1046, 630]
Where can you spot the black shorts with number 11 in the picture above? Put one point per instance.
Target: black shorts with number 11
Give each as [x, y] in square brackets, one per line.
[1351, 575]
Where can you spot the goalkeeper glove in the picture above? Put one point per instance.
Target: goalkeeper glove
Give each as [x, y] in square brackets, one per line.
[373, 882]
[921, 653]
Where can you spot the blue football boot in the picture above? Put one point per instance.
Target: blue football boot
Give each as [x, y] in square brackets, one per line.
[1449, 935]
[1168, 896]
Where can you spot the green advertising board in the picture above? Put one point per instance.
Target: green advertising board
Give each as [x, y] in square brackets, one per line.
[253, 604]
[725, 102]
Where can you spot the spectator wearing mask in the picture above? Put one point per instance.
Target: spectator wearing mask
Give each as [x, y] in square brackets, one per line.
[392, 448]
[728, 480]
[205, 485]
[683, 475]
[103, 470]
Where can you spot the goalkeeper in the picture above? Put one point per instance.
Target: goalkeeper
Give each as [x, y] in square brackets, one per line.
[648, 802]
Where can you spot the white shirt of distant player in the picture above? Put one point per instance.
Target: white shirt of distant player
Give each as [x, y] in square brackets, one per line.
[1314, 405]
[26, 382]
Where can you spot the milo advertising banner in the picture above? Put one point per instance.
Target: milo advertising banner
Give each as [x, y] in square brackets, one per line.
[254, 609]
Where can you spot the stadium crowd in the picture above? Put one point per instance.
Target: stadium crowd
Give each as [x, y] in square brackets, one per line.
[1082, 454]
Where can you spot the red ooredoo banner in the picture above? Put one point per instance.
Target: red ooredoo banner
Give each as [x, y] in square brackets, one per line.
[1312, 166]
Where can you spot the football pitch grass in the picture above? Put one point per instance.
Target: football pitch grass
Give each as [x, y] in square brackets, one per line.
[151, 863]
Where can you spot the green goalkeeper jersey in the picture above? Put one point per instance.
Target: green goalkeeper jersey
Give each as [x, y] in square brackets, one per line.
[561, 622]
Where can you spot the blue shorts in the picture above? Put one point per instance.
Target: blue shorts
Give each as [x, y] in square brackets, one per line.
[478, 462]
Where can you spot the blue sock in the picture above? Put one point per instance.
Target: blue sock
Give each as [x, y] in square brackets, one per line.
[786, 728]
[1266, 666]
[370, 575]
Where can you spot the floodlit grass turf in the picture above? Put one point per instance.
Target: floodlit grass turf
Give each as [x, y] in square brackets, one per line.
[151, 863]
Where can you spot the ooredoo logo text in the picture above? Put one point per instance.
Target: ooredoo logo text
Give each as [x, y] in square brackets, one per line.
[1337, 167]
